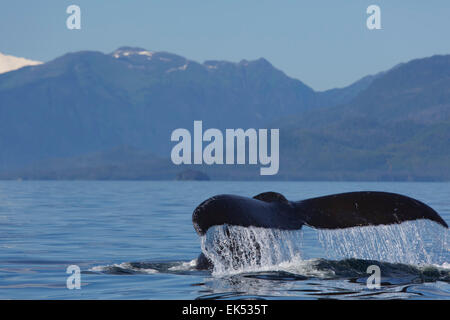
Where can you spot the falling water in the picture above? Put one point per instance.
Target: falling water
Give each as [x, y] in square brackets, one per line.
[238, 249]
[414, 242]
[234, 249]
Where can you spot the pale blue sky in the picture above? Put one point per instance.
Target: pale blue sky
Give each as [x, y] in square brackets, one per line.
[324, 43]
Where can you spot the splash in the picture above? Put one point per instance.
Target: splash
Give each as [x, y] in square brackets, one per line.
[122, 268]
[147, 267]
[234, 249]
[419, 242]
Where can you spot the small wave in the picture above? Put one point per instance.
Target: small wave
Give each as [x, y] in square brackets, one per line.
[145, 267]
[295, 270]
[185, 266]
[122, 268]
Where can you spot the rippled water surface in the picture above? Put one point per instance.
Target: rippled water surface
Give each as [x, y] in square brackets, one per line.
[135, 240]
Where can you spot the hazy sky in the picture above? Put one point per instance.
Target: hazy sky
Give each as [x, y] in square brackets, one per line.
[324, 43]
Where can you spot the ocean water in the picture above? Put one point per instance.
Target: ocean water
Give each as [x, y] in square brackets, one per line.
[135, 240]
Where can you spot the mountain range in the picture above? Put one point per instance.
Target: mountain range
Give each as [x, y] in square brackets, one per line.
[90, 115]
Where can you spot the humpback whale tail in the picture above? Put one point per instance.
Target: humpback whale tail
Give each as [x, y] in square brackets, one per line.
[337, 211]
[344, 210]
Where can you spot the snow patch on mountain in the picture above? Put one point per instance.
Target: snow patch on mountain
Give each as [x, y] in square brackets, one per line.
[128, 52]
[182, 68]
[10, 63]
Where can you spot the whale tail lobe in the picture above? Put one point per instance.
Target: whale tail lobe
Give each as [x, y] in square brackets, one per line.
[354, 209]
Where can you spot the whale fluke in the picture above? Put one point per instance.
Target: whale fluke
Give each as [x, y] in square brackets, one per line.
[354, 209]
[344, 210]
